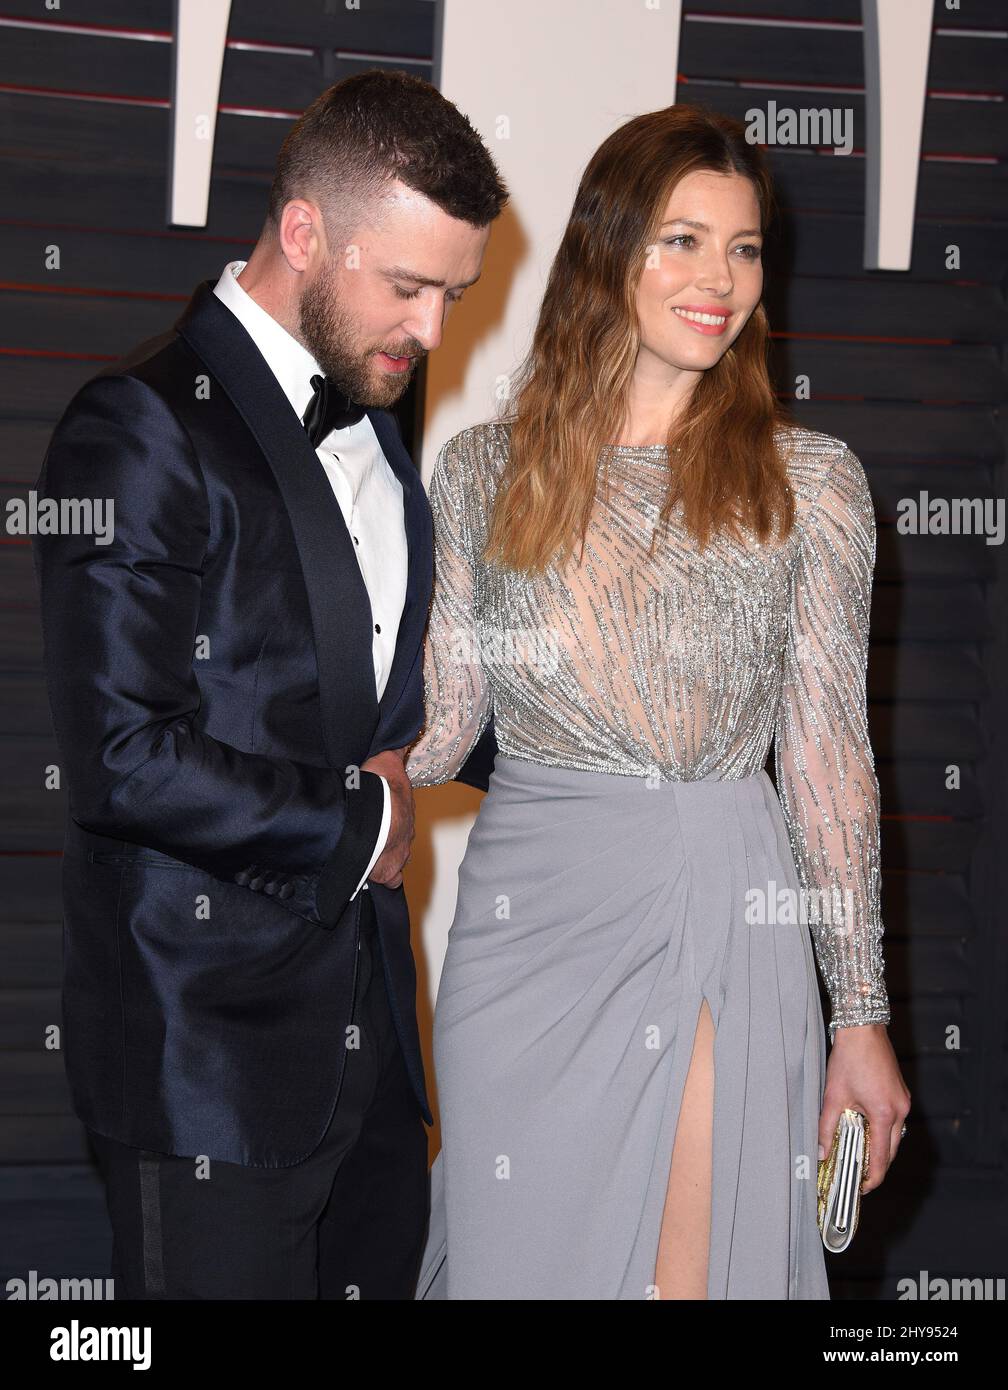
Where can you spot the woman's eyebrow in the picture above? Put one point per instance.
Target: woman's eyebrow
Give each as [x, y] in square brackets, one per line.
[703, 227]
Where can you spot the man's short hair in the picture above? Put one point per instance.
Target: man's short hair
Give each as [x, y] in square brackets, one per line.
[376, 126]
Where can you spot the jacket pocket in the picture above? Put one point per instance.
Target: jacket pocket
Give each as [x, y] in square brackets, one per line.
[123, 859]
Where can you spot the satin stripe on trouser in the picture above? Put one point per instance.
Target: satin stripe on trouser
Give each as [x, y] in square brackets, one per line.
[346, 1223]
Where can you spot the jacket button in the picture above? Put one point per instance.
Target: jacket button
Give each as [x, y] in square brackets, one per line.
[243, 875]
[285, 890]
[256, 883]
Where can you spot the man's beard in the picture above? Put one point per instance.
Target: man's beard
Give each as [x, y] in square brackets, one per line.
[327, 331]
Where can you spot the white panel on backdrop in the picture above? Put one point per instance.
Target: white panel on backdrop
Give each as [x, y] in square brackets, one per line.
[897, 46]
[200, 39]
[544, 84]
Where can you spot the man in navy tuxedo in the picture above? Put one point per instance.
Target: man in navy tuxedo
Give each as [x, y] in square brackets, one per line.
[234, 681]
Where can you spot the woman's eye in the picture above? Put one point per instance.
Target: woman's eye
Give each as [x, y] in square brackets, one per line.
[750, 252]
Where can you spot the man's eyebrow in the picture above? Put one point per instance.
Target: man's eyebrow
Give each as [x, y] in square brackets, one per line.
[401, 272]
[702, 226]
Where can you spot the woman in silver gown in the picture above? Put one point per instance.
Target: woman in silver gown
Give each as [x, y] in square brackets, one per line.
[628, 1039]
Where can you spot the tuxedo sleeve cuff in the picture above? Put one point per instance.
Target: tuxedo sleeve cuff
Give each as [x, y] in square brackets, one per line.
[383, 835]
[350, 859]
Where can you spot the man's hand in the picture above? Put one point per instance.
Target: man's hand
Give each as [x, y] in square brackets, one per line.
[389, 865]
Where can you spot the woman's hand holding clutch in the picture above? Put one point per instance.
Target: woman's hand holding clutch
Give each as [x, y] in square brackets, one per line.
[863, 1073]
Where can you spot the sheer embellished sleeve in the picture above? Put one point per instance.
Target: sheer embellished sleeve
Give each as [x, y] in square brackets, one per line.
[826, 776]
[457, 696]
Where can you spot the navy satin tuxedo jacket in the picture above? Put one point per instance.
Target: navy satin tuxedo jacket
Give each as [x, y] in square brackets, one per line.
[213, 693]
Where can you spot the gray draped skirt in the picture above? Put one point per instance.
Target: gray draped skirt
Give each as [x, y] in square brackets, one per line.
[594, 914]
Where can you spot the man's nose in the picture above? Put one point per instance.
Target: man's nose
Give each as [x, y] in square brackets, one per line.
[426, 326]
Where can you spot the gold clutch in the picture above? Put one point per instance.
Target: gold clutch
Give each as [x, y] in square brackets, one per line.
[841, 1175]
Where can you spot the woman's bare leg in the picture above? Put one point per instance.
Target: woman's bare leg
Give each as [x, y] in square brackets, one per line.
[684, 1244]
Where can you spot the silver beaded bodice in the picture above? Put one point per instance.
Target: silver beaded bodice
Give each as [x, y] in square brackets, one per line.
[682, 664]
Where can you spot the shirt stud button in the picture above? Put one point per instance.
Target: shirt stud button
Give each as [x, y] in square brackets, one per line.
[377, 627]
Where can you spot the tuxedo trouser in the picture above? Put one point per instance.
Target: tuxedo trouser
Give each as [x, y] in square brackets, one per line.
[348, 1222]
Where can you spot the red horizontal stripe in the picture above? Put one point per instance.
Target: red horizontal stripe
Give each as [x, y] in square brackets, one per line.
[16, 89]
[922, 219]
[801, 22]
[881, 400]
[49, 352]
[100, 31]
[230, 109]
[860, 338]
[130, 99]
[52, 288]
[933, 156]
[171, 232]
[789, 85]
[729, 16]
[820, 396]
[925, 873]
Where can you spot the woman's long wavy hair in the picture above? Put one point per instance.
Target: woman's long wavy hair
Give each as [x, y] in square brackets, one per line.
[568, 400]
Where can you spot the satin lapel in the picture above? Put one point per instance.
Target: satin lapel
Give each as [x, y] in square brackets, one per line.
[337, 594]
[416, 514]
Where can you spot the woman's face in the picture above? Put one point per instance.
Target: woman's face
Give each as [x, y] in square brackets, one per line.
[703, 277]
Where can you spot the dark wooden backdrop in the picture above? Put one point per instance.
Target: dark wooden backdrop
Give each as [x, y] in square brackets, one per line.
[907, 368]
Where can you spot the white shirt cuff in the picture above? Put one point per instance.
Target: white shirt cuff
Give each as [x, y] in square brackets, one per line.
[382, 834]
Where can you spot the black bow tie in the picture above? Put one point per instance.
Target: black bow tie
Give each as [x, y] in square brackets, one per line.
[329, 409]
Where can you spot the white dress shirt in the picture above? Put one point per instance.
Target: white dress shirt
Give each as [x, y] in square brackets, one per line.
[369, 494]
